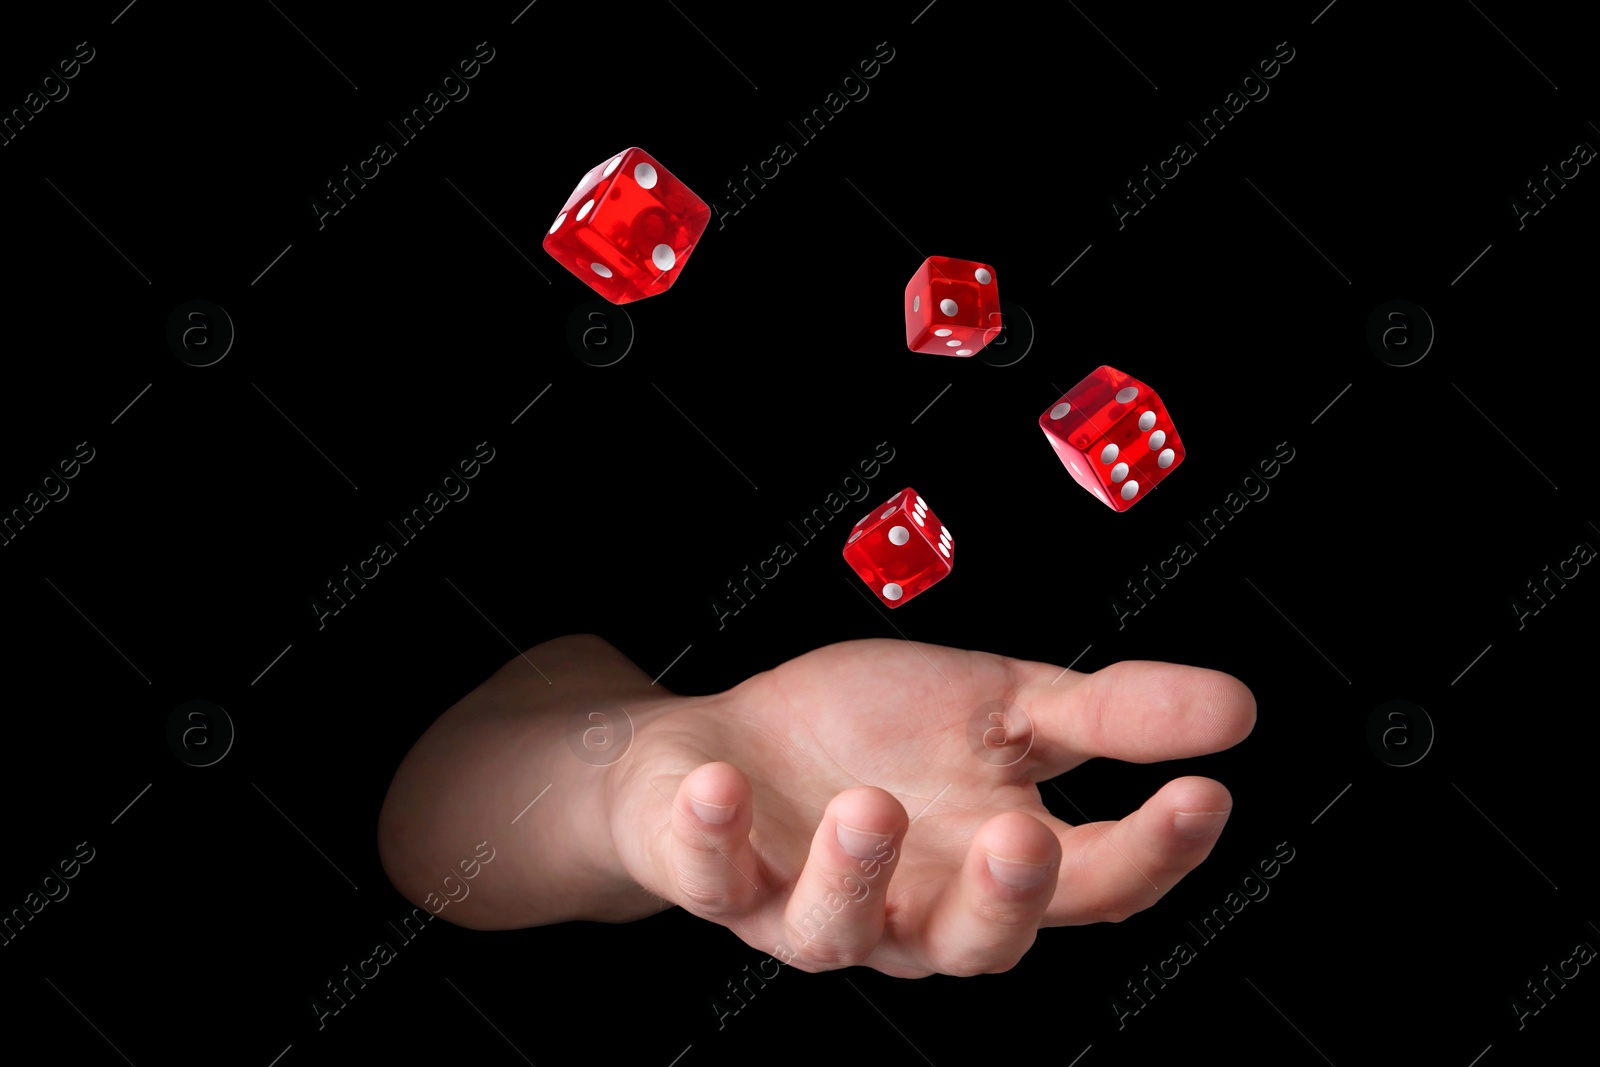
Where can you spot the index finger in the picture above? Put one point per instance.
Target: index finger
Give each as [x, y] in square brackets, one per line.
[1139, 711]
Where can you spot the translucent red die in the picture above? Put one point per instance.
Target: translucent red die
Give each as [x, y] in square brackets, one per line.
[1115, 437]
[952, 307]
[900, 548]
[628, 228]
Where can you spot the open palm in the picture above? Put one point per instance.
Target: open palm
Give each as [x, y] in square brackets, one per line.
[877, 803]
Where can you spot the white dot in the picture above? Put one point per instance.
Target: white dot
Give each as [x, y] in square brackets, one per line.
[1130, 490]
[952, 344]
[916, 303]
[983, 276]
[1165, 459]
[892, 592]
[556, 225]
[945, 550]
[918, 517]
[1119, 472]
[1073, 467]
[1109, 453]
[1126, 395]
[1060, 410]
[899, 535]
[947, 306]
[887, 512]
[921, 503]
[864, 518]
[943, 333]
[610, 167]
[897, 496]
[1098, 493]
[854, 536]
[1146, 421]
[944, 533]
[584, 210]
[664, 257]
[645, 175]
[963, 351]
[1158, 439]
[600, 269]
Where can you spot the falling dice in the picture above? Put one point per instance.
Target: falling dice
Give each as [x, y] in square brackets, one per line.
[628, 228]
[1115, 436]
[900, 548]
[952, 307]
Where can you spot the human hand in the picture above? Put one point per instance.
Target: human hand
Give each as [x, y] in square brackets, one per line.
[831, 811]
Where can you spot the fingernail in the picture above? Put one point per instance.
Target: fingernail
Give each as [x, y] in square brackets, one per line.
[861, 844]
[713, 813]
[1016, 874]
[1198, 825]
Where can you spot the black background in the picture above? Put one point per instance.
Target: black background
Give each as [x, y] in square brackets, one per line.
[424, 318]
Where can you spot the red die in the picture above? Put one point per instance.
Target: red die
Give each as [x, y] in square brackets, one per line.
[1115, 436]
[952, 307]
[628, 228]
[895, 550]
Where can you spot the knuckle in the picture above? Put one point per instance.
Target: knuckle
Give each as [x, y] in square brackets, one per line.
[1004, 914]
